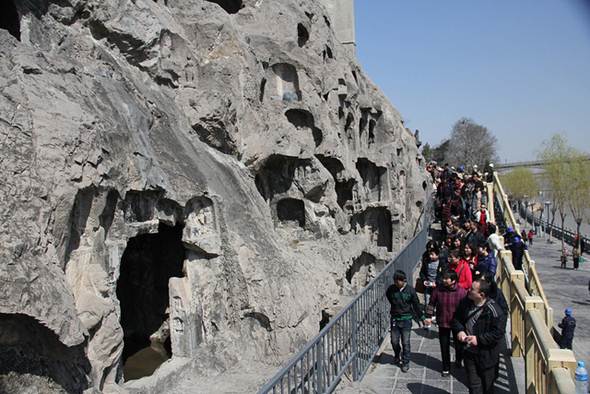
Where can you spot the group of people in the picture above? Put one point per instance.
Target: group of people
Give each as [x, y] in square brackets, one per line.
[458, 280]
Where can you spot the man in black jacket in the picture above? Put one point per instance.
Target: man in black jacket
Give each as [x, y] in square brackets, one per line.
[480, 325]
[405, 307]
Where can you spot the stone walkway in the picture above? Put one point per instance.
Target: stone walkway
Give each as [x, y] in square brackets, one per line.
[424, 376]
[565, 287]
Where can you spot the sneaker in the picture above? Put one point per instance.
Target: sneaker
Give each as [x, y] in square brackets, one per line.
[396, 361]
[445, 373]
[405, 368]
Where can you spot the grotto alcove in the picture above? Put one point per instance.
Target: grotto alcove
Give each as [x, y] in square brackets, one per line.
[291, 210]
[230, 6]
[9, 18]
[149, 261]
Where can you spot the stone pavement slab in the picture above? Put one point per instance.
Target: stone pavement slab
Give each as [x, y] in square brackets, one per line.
[424, 376]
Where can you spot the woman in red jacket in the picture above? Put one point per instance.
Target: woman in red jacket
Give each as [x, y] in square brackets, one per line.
[470, 256]
[461, 267]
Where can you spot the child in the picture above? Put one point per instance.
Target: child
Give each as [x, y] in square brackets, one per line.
[567, 325]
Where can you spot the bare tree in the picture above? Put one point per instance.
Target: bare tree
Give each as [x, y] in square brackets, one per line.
[471, 144]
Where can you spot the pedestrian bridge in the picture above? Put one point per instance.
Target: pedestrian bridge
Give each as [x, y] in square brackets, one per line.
[351, 353]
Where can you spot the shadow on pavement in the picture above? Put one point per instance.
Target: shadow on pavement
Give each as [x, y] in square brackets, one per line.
[419, 388]
[384, 358]
[428, 334]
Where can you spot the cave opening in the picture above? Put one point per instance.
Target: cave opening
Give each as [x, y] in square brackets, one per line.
[374, 178]
[9, 18]
[363, 269]
[344, 192]
[148, 262]
[230, 6]
[377, 220]
[291, 210]
[302, 35]
[287, 82]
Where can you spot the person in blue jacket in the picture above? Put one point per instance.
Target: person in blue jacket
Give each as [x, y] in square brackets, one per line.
[567, 325]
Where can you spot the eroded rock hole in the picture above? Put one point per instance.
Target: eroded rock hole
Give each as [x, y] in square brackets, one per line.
[302, 35]
[262, 87]
[291, 210]
[374, 179]
[377, 221]
[303, 120]
[344, 192]
[230, 6]
[9, 18]
[333, 165]
[148, 262]
[363, 269]
[325, 319]
[276, 175]
[33, 360]
[372, 124]
[287, 82]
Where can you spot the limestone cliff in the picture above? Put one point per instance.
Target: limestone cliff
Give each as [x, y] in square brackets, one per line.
[213, 175]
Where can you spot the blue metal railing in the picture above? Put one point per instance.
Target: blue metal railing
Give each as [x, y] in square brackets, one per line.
[349, 342]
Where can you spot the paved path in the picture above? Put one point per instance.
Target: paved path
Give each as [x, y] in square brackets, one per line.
[565, 287]
[424, 375]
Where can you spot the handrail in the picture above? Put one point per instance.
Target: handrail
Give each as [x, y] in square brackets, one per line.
[530, 271]
[349, 342]
[548, 369]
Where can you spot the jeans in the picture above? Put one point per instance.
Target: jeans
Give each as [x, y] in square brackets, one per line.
[444, 338]
[401, 329]
[480, 381]
[427, 294]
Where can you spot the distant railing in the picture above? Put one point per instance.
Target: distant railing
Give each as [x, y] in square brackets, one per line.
[568, 235]
[548, 369]
[349, 342]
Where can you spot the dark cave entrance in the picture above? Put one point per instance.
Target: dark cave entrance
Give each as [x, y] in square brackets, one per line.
[291, 210]
[148, 262]
[9, 19]
[230, 6]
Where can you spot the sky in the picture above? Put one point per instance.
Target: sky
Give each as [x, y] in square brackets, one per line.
[519, 67]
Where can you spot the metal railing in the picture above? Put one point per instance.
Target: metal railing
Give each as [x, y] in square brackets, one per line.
[568, 235]
[548, 369]
[349, 342]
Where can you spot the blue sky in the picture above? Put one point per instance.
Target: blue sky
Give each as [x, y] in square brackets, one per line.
[519, 67]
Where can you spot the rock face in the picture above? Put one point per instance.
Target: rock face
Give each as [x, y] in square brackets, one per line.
[202, 178]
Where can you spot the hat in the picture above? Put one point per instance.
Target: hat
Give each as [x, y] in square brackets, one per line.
[509, 230]
[568, 311]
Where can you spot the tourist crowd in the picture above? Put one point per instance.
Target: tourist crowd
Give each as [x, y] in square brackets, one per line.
[458, 280]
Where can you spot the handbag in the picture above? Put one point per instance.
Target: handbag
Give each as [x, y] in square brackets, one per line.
[419, 286]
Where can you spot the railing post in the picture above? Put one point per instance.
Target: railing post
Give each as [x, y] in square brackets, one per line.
[531, 357]
[320, 366]
[517, 315]
[355, 372]
[491, 204]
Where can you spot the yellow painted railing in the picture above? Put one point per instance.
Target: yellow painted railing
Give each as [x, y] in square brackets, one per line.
[548, 369]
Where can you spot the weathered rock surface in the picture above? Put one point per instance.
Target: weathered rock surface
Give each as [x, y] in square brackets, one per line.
[202, 177]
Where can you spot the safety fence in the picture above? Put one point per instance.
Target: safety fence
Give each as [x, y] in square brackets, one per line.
[349, 342]
[569, 236]
[548, 369]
